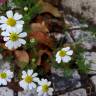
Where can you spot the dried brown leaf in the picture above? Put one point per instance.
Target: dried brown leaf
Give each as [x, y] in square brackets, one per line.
[42, 38]
[22, 57]
[39, 27]
[47, 7]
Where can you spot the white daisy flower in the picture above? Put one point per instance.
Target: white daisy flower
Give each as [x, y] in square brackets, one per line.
[64, 55]
[13, 38]
[29, 80]
[5, 77]
[11, 21]
[44, 88]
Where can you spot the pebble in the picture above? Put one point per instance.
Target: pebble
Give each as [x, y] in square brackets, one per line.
[79, 92]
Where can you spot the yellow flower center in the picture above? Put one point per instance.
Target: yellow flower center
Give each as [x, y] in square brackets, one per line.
[11, 22]
[3, 75]
[62, 53]
[13, 36]
[45, 88]
[28, 79]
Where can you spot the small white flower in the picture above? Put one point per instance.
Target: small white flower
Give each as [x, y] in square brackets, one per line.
[44, 88]
[5, 77]
[64, 55]
[13, 38]
[29, 80]
[11, 21]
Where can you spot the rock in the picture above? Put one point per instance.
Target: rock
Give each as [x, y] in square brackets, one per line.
[74, 22]
[27, 93]
[93, 79]
[79, 92]
[58, 71]
[69, 38]
[91, 59]
[90, 56]
[87, 40]
[86, 8]
[4, 91]
[61, 83]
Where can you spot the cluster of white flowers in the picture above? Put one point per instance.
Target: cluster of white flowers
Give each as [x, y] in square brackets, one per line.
[63, 55]
[30, 81]
[12, 27]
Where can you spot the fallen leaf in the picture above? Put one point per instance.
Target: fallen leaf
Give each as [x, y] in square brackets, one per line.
[47, 7]
[42, 38]
[22, 58]
[39, 27]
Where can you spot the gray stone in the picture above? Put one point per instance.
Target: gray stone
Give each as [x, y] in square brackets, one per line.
[91, 59]
[87, 8]
[94, 81]
[79, 92]
[4, 91]
[87, 40]
[61, 82]
[27, 93]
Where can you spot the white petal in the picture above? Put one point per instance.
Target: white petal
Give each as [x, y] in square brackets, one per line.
[19, 26]
[9, 28]
[44, 81]
[30, 87]
[35, 74]
[33, 85]
[3, 19]
[22, 41]
[40, 93]
[23, 34]
[35, 79]
[16, 44]
[5, 33]
[9, 14]
[4, 82]
[49, 83]
[9, 74]
[70, 52]
[24, 74]
[6, 38]
[8, 80]
[66, 49]
[0, 81]
[23, 84]
[57, 54]
[58, 59]
[45, 94]
[30, 72]
[66, 59]
[3, 26]
[39, 88]
[50, 91]
[9, 44]
[17, 16]
[20, 22]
